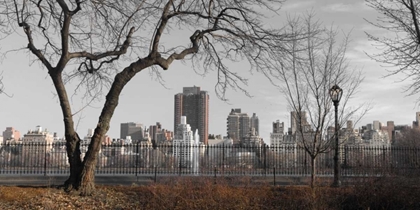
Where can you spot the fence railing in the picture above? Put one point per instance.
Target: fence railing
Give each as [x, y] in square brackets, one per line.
[143, 159]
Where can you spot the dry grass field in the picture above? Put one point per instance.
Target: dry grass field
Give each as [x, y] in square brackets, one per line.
[177, 193]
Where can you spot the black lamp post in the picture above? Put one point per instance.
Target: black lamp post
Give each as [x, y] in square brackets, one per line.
[335, 94]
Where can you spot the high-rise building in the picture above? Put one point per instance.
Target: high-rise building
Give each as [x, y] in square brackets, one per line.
[194, 104]
[135, 130]
[369, 127]
[418, 116]
[278, 127]
[154, 130]
[255, 123]
[244, 125]
[390, 127]
[164, 136]
[233, 125]
[185, 145]
[158, 134]
[416, 124]
[283, 144]
[376, 125]
[298, 121]
[10, 134]
[238, 125]
[276, 137]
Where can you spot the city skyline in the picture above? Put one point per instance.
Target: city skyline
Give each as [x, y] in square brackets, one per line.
[147, 101]
[131, 128]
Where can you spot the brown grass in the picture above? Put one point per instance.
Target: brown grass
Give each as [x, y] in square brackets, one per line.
[204, 193]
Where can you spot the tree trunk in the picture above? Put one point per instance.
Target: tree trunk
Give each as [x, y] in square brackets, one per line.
[72, 139]
[87, 178]
[313, 171]
[73, 154]
[87, 175]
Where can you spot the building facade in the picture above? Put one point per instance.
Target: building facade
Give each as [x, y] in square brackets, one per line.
[390, 129]
[106, 140]
[154, 130]
[276, 137]
[252, 140]
[298, 122]
[238, 125]
[194, 104]
[10, 134]
[36, 145]
[186, 146]
[135, 130]
[255, 123]
[38, 136]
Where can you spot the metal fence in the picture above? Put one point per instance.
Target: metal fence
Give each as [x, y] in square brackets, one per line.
[143, 159]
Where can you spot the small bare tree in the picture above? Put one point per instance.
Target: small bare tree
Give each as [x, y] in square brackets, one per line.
[1, 85]
[410, 137]
[400, 49]
[407, 151]
[100, 37]
[317, 63]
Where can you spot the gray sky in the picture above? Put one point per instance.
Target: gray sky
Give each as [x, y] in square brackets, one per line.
[144, 100]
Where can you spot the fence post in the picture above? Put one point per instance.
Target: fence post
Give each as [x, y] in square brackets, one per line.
[155, 173]
[45, 159]
[384, 161]
[345, 156]
[137, 158]
[265, 160]
[179, 167]
[305, 164]
[274, 176]
[223, 158]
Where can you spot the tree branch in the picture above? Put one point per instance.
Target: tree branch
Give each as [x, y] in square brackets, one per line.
[98, 56]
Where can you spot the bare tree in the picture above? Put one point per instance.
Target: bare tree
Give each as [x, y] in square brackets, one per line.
[3, 33]
[400, 49]
[410, 137]
[407, 150]
[100, 37]
[317, 63]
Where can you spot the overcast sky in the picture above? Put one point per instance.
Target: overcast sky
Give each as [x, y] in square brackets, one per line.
[146, 101]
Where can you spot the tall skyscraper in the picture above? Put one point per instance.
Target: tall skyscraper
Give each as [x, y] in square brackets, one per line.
[233, 125]
[135, 130]
[255, 123]
[390, 127]
[238, 125]
[194, 104]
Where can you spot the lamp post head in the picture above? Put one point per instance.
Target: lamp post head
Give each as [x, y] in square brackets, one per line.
[335, 94]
